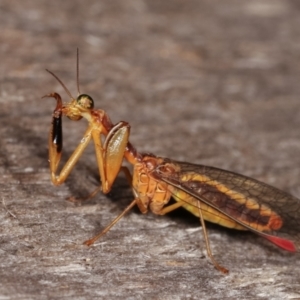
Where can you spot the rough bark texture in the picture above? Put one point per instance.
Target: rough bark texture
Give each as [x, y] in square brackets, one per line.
[210, 82]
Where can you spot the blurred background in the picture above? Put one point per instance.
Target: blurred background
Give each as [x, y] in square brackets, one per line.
[208, 82]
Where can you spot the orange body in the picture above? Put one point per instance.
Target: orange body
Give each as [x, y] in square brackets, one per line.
[212, 194]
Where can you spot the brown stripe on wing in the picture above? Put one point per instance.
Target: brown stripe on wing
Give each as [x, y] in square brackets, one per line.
[233, 204]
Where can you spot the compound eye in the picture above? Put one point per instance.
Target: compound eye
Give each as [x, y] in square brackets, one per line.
[85, 101]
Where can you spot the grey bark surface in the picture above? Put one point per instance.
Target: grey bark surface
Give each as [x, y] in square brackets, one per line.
[210, 82]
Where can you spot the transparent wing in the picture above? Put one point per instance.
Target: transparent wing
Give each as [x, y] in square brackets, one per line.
[255, 205]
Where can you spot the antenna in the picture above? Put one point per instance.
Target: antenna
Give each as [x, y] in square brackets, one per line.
[62, 84]
[77, 72]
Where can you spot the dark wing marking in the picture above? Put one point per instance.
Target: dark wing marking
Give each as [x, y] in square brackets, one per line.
[284, 204]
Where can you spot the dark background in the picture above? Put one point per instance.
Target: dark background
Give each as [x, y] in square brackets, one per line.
[210, 82]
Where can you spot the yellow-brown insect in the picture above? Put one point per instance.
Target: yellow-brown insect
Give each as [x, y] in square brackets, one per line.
[212, 194]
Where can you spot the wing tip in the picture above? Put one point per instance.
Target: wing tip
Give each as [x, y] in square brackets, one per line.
[282, 243]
